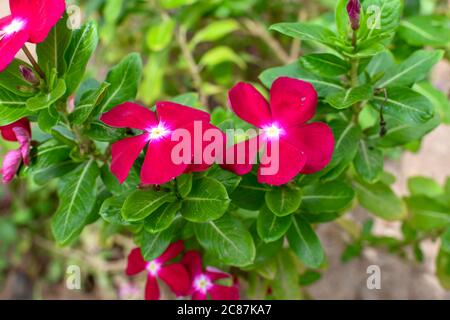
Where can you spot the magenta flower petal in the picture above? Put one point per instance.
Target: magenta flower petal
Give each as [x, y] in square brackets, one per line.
[136, 262]
[316, 140]
[40, 15]
[8, 133]
[172, 251]
[216, 274]
[151, 288]
[24, 140]
[287, 162]
[176, 277]
[130, 115]
[13, 36]
[124, 153]
[197, 295]
[292, 101]
[219, 292]
[178, 116]
[11, 164]
[244, 156]
[250, 105]
[193, 262]
[159, 166]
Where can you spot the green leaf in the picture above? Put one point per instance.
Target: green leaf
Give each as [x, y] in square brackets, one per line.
[380, 17]
[305, 31]
[229, 180]
[12, 107]
[45, 100]
[249, 194]
[112, 184]
[347, 98]
[341, 18]
[380, 64]
[283, 201]
[369, 162]
[124, 79]
[160, 35]
[424, 186]
[190, 99]
[111, 208]
[99, 131]
[324, 64]
[47, 119]
[208, 200]
[86, 107]
[324, 86]
[305, 243]
[425, 30]
[271, 227]
[12, 80]
[443, 268]
[329, 197]
[413, 69]
[154, 244]
[285, 285]
[51, 160]
[82, 46]
[221, 54]
[184, 184]
[162, 218]
[227, 239]
[142, 203]
[437, 98]
[445, 240]
[51, 52]
[406, 105]
[77, 194]
[214, 31]
[380, 200]
[427, 214]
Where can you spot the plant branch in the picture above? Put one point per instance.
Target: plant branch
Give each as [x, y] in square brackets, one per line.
[258, 30]
[33, 62]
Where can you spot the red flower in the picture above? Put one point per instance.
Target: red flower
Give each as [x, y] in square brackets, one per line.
[203, 281]
[302, 148]
[174, 275]
[19, 131]
[30, 21]
[158, 127]
[354, 12]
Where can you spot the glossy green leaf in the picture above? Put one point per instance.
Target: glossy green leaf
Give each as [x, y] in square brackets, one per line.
[286, 282]
[45, 100]
[425, 30]
[12, 80]
[249, 194]
[77, 195]
[271, 227]
[427, 214]
[324, 64]
[88, 104]
[227, 239]
[184, 184]
[329, 197]
[424, 186]
[347, 98]
[369, 162]
[283, 201]
[162, 218]
[12, 107]
[142, 203]
[208, 200]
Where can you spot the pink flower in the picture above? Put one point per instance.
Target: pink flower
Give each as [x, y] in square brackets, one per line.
[301, 148]
[159, 167]
[354, 12]
[203, 282]
[174, 275]
[19, 131]
[30, 21]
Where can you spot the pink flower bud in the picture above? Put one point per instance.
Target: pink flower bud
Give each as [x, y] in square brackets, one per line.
[354, 11]
[28, 74]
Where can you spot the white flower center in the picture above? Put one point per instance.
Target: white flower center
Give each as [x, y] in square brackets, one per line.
[153, 267]
[273, 131]
[15, 26]
[158, 132]
[202, 283]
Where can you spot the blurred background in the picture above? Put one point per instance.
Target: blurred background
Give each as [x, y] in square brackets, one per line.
[206, 46]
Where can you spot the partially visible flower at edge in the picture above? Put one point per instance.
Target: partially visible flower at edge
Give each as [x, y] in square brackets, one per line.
[354, 13]
[302, 147]
[158, 167]
[174, 274]
[19, 131]
[30, 21]
[203, 282]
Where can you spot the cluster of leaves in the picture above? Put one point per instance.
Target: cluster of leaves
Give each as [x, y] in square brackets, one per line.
[375, 99]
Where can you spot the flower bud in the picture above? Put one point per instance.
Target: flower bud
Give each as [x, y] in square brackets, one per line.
[354, 11]
[28, 74]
